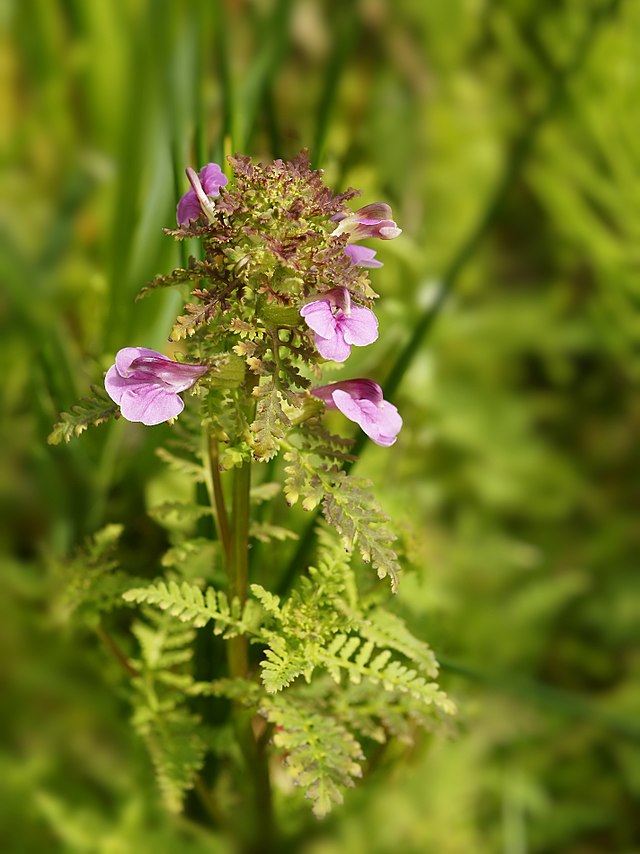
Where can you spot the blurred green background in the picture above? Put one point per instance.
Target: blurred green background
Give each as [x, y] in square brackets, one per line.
[506, 135]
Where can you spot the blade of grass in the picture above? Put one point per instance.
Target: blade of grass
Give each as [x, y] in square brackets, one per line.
[519, 155]
[520, 152]
[262, 72]
[346, 33]
[221, 27]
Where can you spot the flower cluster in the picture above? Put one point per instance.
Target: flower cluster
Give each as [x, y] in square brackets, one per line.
[287, 286]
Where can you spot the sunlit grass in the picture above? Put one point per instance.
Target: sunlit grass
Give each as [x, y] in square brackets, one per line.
[514, 481]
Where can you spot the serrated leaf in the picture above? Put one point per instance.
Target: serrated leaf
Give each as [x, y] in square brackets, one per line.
[264, 492]
[269, 426]
[183, 464]
[227, 372]
[322, 755]
[195, 316]
[269, 601]
[266, 532]
[187, 603]
[88, 412]
[180, 511]
[351, 509]
[196, 271]
[90, 581]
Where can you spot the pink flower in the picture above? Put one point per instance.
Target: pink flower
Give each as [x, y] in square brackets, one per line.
[374, 220]
[196, 201]
[338, 324]
[145, 384]
[362, 256]
[361, 401]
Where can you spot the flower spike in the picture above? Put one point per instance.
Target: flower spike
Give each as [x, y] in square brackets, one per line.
[145, 384]
[361, 401]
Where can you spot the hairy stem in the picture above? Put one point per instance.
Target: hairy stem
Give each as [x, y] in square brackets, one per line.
[219, 508]
[116, 652]
[238, 564]
[208, 801]
[253, 750]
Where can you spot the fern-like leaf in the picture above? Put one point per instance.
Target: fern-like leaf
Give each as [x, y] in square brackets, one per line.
[88, 412]
[194, 557]
[196, 271]
[364, 661]
[269, 426]
[190, 605]
[265, 532]
[196, 315]
[320, 754]
[284, 663]
[177, 751]
[353, 511]
[302, 482]
[183, 451]
[172, 733]
[313, 475]
[90, 582]
[178, 512]
[386, 629]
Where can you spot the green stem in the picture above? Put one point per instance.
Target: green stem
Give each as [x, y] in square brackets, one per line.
[217, 495]
[253, 750]
[238, 564]
[116, 652]
[208, 802]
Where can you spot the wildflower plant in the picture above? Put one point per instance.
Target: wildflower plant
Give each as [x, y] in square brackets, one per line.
[318, 672]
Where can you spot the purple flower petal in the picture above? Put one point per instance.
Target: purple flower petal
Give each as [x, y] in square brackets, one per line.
[389, 423]
[388, 230]
[361, 401]
[370, 221]
[335, 348]
[319, 317]
[338, 324]
[362, 256]
[128, 355]
[211, 178]
[145, 384]
[150, 405]
[385, 229]
[176, 376]
[188, 208]
[115, 384]
[361, 388]
[381, 423]
[361, 327]
[375, 212]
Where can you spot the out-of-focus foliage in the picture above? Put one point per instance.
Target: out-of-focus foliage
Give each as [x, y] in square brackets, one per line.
[515, 476]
